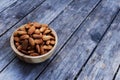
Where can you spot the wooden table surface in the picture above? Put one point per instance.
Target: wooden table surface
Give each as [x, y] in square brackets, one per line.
[89, 39]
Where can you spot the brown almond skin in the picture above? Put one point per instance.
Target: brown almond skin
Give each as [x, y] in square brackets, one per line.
[37, 36]
[38, 48]
[48, 42]
[47, 37]
[25, 52]
[19, 47]
[37, 31]
[31, 41]
[36, 24]
[38, 41]
[42, 29]
[31, 51]
[16, 39]
[21, 32]
[42, 50]
[17, 44]
[47, 31]
[27, 26]
[24, 37]
[52, 34]
[52, 42]
[44, 25]
[30, 47]
[47, 47]
[34, 54]
[15, 34]
[25, 44]
[31, 30]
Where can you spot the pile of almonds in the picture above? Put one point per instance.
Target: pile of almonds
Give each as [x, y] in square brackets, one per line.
[34, 39]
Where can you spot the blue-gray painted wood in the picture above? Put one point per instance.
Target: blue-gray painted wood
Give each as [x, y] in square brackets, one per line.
[4, 40]
[118, 75]
[16, 12]
[69, 61]
[62, 67]
[66, 20]
[4, 4]
[106, 58]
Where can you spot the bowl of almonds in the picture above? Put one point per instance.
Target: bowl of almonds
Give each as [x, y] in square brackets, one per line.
[34, 42]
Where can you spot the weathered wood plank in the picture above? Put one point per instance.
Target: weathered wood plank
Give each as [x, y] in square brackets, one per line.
[63, 24]
[4, 4]
[56, 7]
[68, 62]
[118, 75]
[16, 12]
[106, 58]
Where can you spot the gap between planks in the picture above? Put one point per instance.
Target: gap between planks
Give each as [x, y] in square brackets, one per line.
[22, 18]
[116, 73]
[8, 6]
[90, 10]
[69, 38]
[96, 45]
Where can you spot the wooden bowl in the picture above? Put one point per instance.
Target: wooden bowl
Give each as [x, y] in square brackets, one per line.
[33, 59]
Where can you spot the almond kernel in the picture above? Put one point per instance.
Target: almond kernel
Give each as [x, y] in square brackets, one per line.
[24, 37]
[31, 30]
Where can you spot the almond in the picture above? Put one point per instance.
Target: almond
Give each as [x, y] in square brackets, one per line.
[31, 51]
[47, 37]
[38, 48]
[44, 25]
[25, 52]
[52, 34]
[42, 29]
[42, 50]
[37, 31]
[47, 31]
[31, 41]
[48, 42]
[15, 33]
[34, 54]
[31, 30]
[19, 47]
[52, 42]
[37, 25]
[37, 36]
[25, 44]
[34, 39]
[24, 37]
[21, 32]
[38, 41]
[47, 47]
[29, 48]
[16, 39]
[27, 26]
[17, 44]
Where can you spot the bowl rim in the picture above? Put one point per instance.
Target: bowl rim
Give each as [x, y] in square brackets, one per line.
[27, 56]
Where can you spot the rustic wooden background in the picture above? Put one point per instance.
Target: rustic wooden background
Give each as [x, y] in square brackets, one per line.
[89, 39]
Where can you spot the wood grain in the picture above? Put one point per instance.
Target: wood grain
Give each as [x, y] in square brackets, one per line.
[56, 7]
[4, 4]
[16, 12]
[68, 62]
[118, 75]
[106, 58]
[63, 24]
